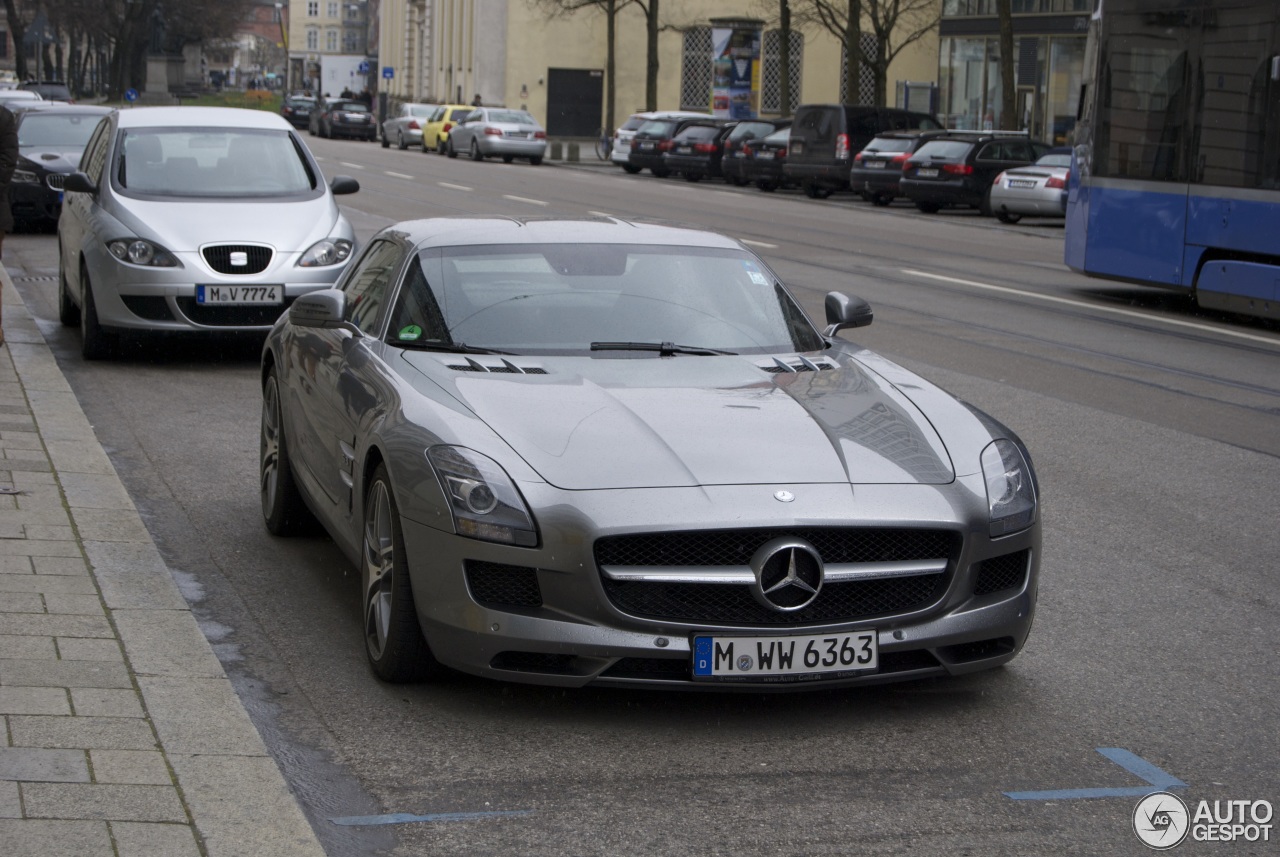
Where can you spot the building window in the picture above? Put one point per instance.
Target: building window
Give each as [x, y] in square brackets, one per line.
[313, 9]
[333, 10]
[353, 11]
[771, 71]
[866, 80]
[351, 41]
[313, 40]
[695, 70]
[331, 40]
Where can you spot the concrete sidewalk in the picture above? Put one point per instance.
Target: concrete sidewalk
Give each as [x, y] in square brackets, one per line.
[123, 735]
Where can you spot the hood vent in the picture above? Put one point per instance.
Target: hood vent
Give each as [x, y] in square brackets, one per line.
[501, 366]
[797, 363]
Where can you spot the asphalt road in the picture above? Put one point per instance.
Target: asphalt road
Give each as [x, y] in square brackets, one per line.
[1156, 434]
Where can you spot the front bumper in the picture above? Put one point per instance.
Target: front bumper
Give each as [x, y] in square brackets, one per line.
[574, 633]
[35, 202]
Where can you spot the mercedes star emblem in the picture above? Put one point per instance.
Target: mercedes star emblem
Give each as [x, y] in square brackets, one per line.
[788, 574]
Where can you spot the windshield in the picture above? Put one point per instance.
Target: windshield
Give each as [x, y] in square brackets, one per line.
[212, 162]
[349, 106]
[513, 116]
[1054, 161]
[750, 131]
[778, 138]
[889, 144]
[557, 298]
[52, 129]
[657, 127]
[946, 150]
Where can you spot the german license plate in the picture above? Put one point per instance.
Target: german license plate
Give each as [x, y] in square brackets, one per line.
[927, 174]
[684, 150]
[765, 156]
[239, 295]
[520, 134]
[1022, 183]
[783, 658]
[797, 147]
[874, 165]
[644, 147]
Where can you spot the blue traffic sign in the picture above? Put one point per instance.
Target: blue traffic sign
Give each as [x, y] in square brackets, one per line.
[131, 95]
[363, 68]
[388, 72]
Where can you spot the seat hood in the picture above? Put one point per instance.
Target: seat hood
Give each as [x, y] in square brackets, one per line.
[184, 225]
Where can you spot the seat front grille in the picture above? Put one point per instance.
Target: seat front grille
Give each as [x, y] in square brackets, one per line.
[237, 258]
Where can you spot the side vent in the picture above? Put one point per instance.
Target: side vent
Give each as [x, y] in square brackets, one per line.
[797, 363]
[491, 367]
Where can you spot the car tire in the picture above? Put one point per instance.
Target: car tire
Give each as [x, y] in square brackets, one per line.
[448, 148]
[535, 161]
[506, 159]
[68, 312]
[475, 151]
[440, 147]
[631, 170]
[881, 199]
[738, 181]
[929, 207]
[394, 644]
[661, 172]
[400, 143]
[283, 510]
[1006, 217]
[386, 144]
[813, 190]
[693, 177]
[766, 186]
[984, 207]
[95, 343]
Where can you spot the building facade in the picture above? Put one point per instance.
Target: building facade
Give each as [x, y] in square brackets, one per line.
[523, 53]
[329, 46]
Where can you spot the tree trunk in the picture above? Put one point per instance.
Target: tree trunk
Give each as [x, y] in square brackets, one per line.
[18, 28]
[784, 53]
[610, 95]
[853, 52]
[1008, 108]
[651, 72]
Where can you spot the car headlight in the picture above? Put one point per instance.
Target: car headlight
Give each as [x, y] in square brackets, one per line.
[25, 177]
[136, 251]
[482, 497]
[1011, 493]
[322, 254]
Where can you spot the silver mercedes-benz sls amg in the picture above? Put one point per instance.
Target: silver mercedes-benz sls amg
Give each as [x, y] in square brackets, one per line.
[591, 451]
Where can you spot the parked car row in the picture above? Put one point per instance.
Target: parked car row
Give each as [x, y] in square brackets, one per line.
[877, 152]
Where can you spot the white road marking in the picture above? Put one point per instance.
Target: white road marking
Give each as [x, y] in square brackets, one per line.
[353, 166]
[453, 186]
[398, 175]
[1173, 322]
[524, 199]
[751, 243]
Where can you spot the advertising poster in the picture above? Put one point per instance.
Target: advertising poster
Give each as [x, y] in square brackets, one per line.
[735, 84]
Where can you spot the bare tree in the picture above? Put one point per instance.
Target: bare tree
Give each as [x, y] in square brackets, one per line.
[650, 9]
[18, 27]
[894, 24]
[784, 53]
[610, 8]
[1008, 119]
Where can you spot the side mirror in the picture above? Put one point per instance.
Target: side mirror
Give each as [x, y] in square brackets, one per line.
[324, 308]
[844, 311]
[79, 183]
[340, 185]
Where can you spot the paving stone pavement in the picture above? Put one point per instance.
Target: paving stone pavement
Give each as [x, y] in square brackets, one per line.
[122, 734]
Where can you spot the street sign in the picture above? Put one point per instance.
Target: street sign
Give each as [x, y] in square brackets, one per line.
[131, 95]
[363, 68]
[388, 72]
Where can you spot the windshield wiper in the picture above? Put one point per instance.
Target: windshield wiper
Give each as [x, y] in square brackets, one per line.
[451, 347]
[664, 349]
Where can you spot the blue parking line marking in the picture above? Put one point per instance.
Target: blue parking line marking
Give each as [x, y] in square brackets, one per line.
[408, 818]
[1157, 780]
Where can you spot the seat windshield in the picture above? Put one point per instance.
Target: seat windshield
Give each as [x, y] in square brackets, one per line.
[53, 129]
[212, 162]
[561, 298]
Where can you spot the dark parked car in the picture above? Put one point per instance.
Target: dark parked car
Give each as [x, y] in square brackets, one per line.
[653, 141]
[733, 163]
[766, 158]
[297, 110]
[697, 149]
[877, 169]
[825, 137]
[343, 117]
[49, 90]
[50, 142]
[959, 168]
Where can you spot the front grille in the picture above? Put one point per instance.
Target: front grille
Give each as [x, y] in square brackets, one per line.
[733, 604]
[55, 181]
[493, 584]
[1002, 572]
[257, 258]
[231, 316]
[533, 662]
[150, 307]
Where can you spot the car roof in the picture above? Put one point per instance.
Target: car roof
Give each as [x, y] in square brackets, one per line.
[470, 230]
[199, 117]
[63, 109]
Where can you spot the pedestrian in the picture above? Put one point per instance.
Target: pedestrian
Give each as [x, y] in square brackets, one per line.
[476, 102]
[8, 161]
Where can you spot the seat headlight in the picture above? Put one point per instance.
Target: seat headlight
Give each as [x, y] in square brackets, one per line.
[136, 251]
[322, 254]
[483, 499]
[1011, 493]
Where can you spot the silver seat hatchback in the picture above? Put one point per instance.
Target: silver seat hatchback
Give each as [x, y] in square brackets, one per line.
[195, 219]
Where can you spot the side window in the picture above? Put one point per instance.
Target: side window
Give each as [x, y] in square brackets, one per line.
[369, 283]
[991, 152]
[417, 313]
[473, 116]
[95, 154]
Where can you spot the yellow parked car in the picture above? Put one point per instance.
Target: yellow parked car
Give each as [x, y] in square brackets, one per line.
[436, 131]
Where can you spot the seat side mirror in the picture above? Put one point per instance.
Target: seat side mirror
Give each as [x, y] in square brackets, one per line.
[340, 185]
[78, 182]
[844, 311]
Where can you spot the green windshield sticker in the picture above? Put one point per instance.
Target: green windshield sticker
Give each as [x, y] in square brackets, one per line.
[411, 332]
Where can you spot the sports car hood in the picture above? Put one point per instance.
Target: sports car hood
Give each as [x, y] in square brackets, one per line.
[691, 421]
[289, 225]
